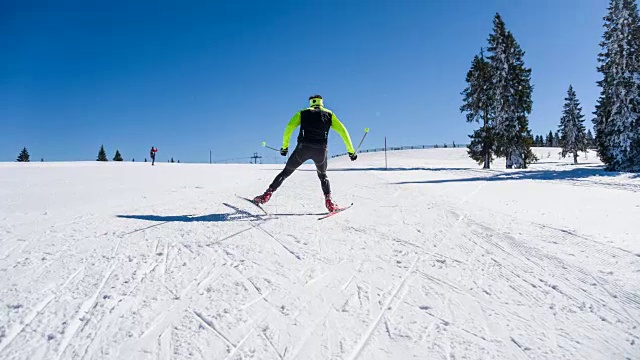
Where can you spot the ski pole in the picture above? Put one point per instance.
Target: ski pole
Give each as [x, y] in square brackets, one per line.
[264, 144]
[366, 131]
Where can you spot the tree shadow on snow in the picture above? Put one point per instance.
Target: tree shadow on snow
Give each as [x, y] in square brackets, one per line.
[397, 169]
[573, 174]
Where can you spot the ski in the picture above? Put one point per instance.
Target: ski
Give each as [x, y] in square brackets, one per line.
[335, 212]
[254, 203]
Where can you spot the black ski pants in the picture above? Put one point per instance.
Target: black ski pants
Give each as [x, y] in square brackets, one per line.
[302, 153]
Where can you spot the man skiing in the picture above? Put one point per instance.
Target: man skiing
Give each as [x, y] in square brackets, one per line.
[315, 123]
[152, 153]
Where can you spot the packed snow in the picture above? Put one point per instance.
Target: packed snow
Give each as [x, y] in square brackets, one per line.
[437, 259]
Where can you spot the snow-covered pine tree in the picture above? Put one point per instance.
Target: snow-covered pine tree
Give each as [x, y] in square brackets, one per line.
[23, 156]
[590, 139]
[511, 91]
[476, 103]
[102, 155]
[118, 156]
[617, 121]
[573, 136]
[525, 142]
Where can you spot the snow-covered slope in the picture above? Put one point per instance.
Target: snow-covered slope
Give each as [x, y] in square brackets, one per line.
[437, 259]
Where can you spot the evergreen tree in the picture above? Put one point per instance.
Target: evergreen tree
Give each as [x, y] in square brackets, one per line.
[171, 160]
[510, 95]
[572, 132]
[556, 140]
[590, 139]
[102, 155]
[133, 160]
[531, 140]
[117, 157]
[23, 156]
[549, 141]
[617, 121]
[525, 139]
[477, 105]
[145, 159]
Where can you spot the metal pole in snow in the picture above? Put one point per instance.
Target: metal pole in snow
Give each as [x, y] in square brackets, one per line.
[385, 154]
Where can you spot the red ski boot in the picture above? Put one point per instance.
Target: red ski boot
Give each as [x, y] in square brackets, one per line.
[262, 199]
[331, 206]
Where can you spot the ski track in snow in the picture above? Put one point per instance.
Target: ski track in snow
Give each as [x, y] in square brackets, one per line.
[213, 328]
[27, 320]
[447, 261]
[367, 335]
[76, 321]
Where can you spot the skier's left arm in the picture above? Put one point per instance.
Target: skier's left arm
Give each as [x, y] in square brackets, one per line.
[338, 127]
[288, 131]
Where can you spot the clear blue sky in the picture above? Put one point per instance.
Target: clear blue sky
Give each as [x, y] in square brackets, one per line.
[190, 76]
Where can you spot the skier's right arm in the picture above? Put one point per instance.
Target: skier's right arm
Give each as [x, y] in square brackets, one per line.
[292, 125]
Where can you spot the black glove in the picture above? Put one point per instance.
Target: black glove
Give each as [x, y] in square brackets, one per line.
[353, 156]
[284, 151]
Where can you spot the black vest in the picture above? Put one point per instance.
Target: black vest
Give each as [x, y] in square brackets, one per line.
[315, 124]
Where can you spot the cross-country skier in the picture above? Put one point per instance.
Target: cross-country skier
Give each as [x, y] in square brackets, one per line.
[315, 123]
[152, 153]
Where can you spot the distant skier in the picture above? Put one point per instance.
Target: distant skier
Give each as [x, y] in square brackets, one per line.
[152, 153]
[315, 123]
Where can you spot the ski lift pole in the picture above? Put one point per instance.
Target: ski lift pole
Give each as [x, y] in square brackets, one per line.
[366, 131]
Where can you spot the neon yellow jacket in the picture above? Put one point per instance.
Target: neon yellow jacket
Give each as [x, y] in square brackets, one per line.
[336, 125]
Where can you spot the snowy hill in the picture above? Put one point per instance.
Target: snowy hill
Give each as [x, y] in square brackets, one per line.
[437, 259]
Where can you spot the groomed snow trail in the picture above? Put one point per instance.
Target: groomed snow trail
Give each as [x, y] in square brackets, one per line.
[437, 259]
